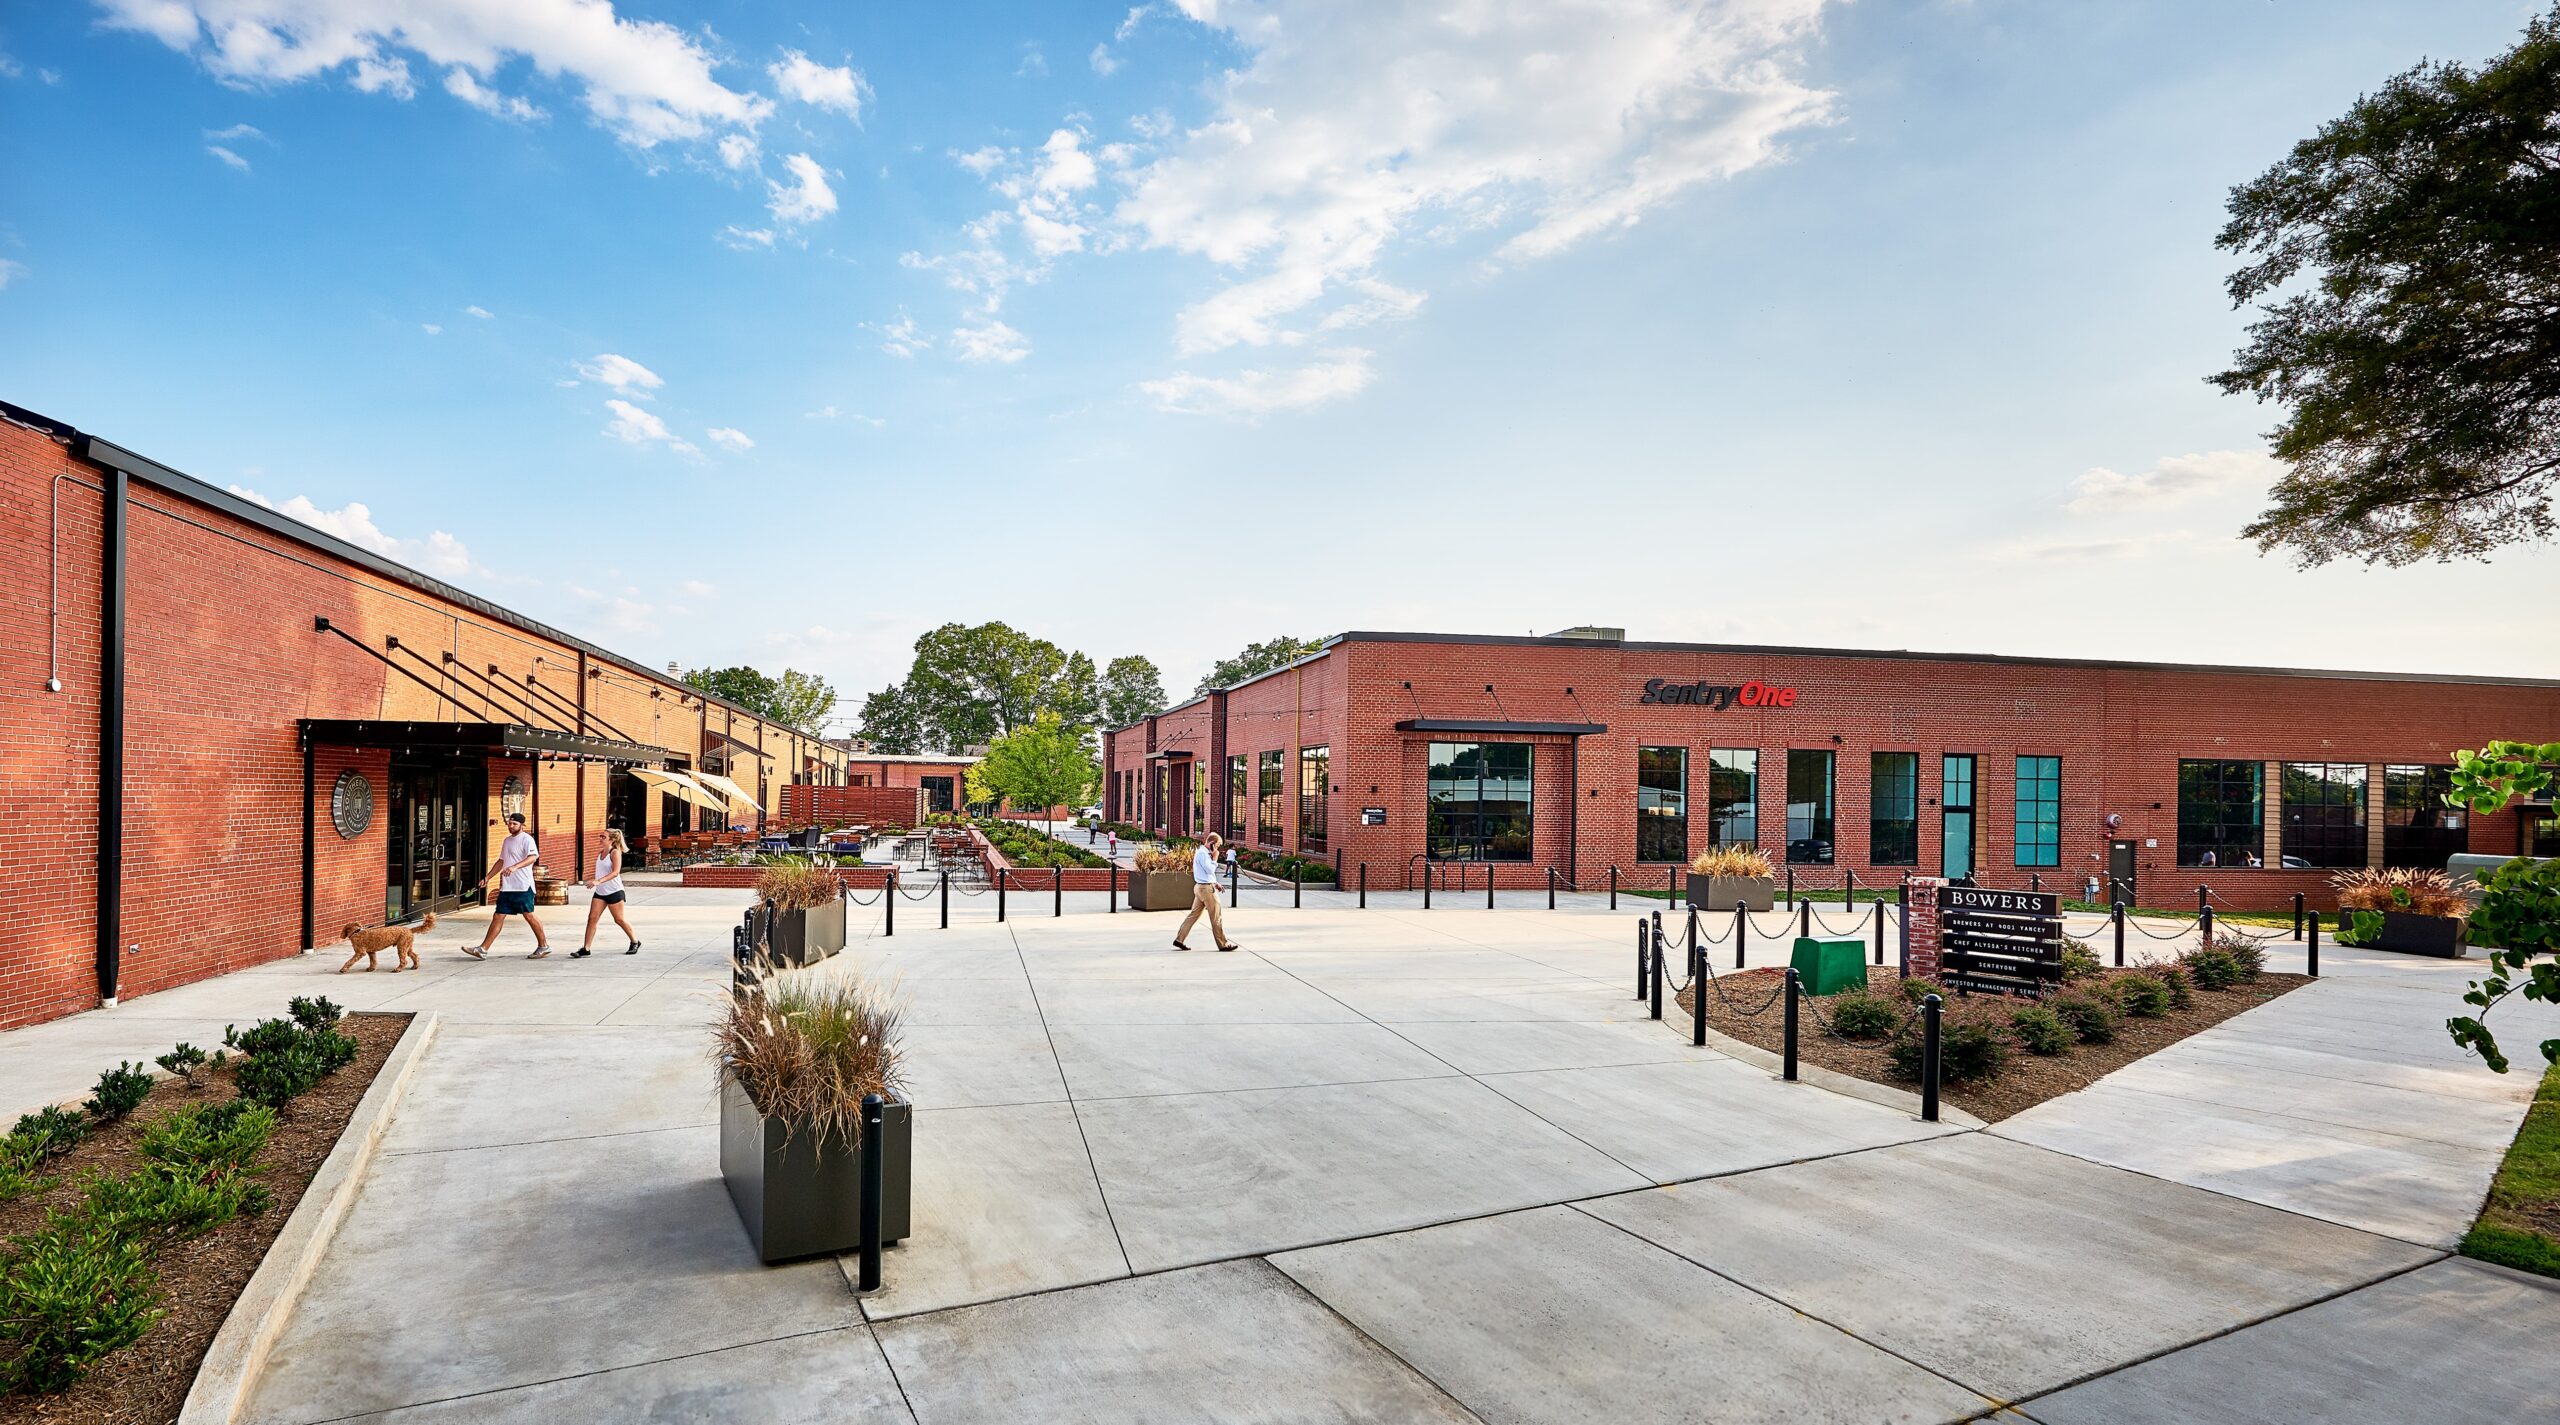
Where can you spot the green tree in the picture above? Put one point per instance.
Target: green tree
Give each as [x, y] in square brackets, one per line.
[1044, 764]
[796, 699]
[1256, 660]
[741, 685]
[1132, 689]
[1078, 697]
[971, 684]
[890, 721]
[2419, 363]
[2519, 902]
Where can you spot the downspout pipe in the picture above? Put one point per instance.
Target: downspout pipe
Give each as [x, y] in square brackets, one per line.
[111, 660]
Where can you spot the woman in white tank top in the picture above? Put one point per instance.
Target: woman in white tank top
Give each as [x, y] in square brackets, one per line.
[608, 895]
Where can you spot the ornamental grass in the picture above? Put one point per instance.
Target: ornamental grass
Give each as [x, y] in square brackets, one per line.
[1163, 858]
[807, 1048]
[2399, 888]
[1735, 862]
[796, 885]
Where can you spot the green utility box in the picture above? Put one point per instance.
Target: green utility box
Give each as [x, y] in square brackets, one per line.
[1826, 967]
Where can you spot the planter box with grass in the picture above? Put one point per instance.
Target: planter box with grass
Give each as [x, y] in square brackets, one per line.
[2419, 911]
[2421, 934]
[800, 1194]
[1726, 892]
[805, 937]
[1159, 890]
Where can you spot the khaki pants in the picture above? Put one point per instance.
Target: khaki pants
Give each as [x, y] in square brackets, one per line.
[1203, 898]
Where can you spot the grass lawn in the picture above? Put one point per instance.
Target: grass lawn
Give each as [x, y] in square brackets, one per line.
[2520, 1225]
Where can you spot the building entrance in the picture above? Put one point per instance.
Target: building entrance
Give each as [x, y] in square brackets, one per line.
[433, 839]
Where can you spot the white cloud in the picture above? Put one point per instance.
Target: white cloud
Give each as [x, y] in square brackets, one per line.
[1033, 62]
[992, 342]
[2171, 480]
[9, 68]
[622, 374]
[10, 271]
[476, 310]
[645, 81]
[1250, 395]
[730, 438]
[1129, 24]
[1355, 127]
[227, 156]
[633, 425]
[746, 239]
[739, 150]
[234, 134]
[980, 161]
[1064, 165]
[464, 85]
[439, 553]
[1102, 62]
[697, 588]
[805, 199]
[802, 78]
[431, 329]
[901, 338]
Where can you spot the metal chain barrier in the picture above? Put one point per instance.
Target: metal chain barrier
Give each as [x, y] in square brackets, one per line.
[857, 900]
[2140, 929]
[1857, 923]
[1716, 982]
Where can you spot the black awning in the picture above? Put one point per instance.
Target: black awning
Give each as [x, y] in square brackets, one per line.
[1478, 724]
[1166, 754]
[495, 739]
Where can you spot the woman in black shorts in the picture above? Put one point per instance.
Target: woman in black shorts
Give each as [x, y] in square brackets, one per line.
[608, 896]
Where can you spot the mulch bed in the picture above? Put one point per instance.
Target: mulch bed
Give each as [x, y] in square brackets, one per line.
[2025, 1081]
[147, 1382]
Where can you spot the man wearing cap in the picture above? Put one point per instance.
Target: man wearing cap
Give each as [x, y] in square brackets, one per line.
[512, 873]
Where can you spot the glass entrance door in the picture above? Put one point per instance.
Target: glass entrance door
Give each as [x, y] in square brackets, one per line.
[1955, 802]
[433, 840]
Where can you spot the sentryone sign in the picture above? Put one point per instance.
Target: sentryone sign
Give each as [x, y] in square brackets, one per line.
[1718, 696]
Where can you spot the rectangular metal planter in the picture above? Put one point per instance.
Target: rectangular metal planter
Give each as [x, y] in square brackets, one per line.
[2421, 934]
[1726, 892]
[799, 1196]
[804, 937]
[1160, 890]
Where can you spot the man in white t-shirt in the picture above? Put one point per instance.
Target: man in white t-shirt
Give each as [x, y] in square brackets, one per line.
[1204, 896]
[512, 874]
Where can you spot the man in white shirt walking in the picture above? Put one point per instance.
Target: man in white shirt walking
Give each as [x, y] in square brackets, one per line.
[1204, 896]
[513, 875]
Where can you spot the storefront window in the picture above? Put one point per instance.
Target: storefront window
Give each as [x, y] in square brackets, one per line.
[1809, 783]
[1480, 801]
[1893, 826]
[1267, 829]
[2039, 811]
[2541, 832]
[1315, 771]
[1239, 797]
[1662, 803]
[2418, 829]
[2221, 812]
[1733, 796]
[2324, 814]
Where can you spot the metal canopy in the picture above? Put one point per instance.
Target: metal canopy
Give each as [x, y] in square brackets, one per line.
[712, 737]
[499, 739]
[1480, 724]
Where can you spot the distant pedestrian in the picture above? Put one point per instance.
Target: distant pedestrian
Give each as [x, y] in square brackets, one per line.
[1204, 896]
[512, 874]
[2207, 860]
[607, 894]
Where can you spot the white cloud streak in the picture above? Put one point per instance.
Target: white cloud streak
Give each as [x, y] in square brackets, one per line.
[1251, 395]
[439, 553]
[2171, 480]
[799, 77]
[806, 198]
[622, 374]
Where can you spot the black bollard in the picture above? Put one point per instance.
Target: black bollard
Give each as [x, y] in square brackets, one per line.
[1115, 888]
[1697, 952]
[1488, 885]
[1657, 969]
[946, 900]
[1057, 891]
[2297, 915]
[2204, 923]
[2035, 881]
[875, 1175]
[1671, 886]
[2119, 919]
[999, 895]
[1551, 888]
[2315, 942]
[1613, 888]
[889, 904]
[2201, 904]
[1698, 982]
[1792, 991]
[1804, 920]
[1235, 883]
[1930, 1008]
[1877, 912]
[1741, 933]
[1426, 885]
[1364, 885]
[1791, 885]
[1643, 955]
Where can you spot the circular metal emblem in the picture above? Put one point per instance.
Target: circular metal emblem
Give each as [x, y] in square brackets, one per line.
[511, 796]
[351, 803]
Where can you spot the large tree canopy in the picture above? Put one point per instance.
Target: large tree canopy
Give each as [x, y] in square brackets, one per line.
[2419, 364]
[796, 699]
[1256, 660]
[1131, 689]
[1043, 764]
[970, 685]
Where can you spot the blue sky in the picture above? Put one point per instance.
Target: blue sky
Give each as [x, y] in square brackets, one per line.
[780, 332]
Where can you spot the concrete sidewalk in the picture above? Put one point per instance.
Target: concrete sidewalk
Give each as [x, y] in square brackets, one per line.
[1392, 1165]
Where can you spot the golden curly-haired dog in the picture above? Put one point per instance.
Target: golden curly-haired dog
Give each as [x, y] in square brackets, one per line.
[369, 943]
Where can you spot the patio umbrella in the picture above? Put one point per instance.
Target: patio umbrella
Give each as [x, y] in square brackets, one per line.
[681, 786]
[722, 786]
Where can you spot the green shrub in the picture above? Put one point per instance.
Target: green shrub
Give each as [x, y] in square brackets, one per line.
[2359, 927]
[184, 1062]
[2210, 968]
[161, 1204]
[2141, 996]
[282, 1072]
[310, 1013]
[50, 1131]
[266, 1036]
[70, 1293]
[1965, 1052]
[1856, 1014]
[2041, 1030]
[2181, 994]
[120, 1091]
[2079, 962]
[18, 1175]
[1916, 989]
[2247, 953]
[213, 1135]
[2090, 1021]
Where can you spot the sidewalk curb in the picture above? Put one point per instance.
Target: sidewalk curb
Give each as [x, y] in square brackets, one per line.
[238, 1355]
[1845, 1085]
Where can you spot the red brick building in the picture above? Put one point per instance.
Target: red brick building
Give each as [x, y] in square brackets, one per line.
[1584, 751]
[228, 734]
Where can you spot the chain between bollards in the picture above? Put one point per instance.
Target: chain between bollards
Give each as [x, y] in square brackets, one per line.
[1931, 1008]
[874, 1180]
[1794, 988]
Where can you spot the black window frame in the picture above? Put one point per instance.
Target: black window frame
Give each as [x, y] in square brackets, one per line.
[1739, 813]
[1314, 802]
[1893, 809]
[1239, 794]
[2421, 831]
[1662, 805]
[2326, 831]
[1463, 830]
[1269, 829]
[2214, 816]
[2045, 848]
[1816, 833]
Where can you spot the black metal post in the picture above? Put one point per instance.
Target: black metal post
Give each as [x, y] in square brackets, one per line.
[1804, 920]
[1848, 888]
[2202, 905]
[875, 1175]
[1235, 883]
[1488, 885]
[1697, 952]
[1613, 888]
[1791, 884]
[2035, 881]
[1426, 885]
[1644, 940]
[946, 898]
[2204, 923]
[2119, 919]
[1551, 888]
[2315, 943]
[1670, 885]
[1793, 989]
[999, 895]
[1931, 1007]
[1364, 885]
[1741, 933]
[1698, 982]
[311, 836]
[1294, 892]
[1878, 911]
[1657, 969]
[2297, 915]
[1115, 888]
[889, 905]
[111, 648]
[1057, 891]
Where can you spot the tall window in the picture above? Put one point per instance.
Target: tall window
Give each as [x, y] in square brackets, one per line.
[1480, 801]
[1662, 803]
[2039, 811]
[2324, 814]
[1733, 796]
[1955, 816]
[2418, 829]
[2222, 811]
[1893, 825]
[1809, 781]
[1239, 796]
[1268, 830]
[1315, 769]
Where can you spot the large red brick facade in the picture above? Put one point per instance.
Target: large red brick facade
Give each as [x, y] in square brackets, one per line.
[2118, 729]
[222, 662]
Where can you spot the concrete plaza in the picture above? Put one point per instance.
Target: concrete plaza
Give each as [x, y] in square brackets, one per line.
[1381, 1165]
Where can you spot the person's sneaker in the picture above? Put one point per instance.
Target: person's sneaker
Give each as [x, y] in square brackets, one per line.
[1226, 947]
[634, 950]
[580, 953]
[1178, 945]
